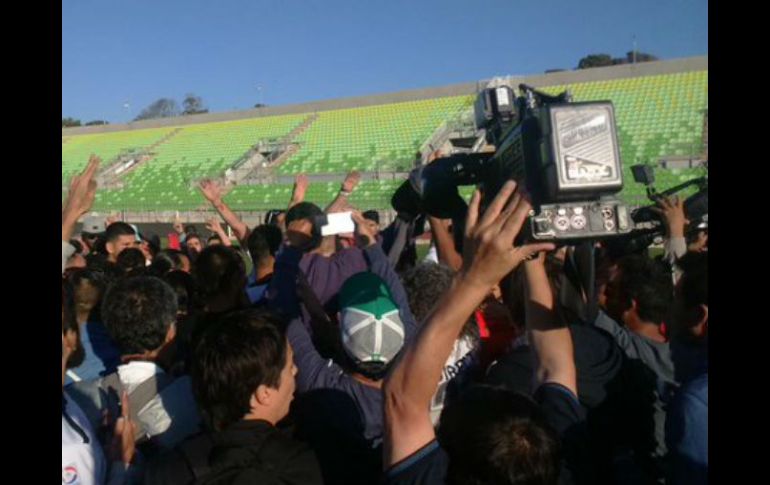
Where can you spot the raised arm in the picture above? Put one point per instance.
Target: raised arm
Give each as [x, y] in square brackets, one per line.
[215, 226]
[348, 186]
[445, 245]
[551, 341]
[213, 193]
[79, 201]
[490, 255]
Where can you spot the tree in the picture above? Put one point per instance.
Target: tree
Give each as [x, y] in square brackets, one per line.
[193, 105]
[97, 122]
[640, 57]
[595, 60]
[260, 105]
[162, 108]
[69, 122]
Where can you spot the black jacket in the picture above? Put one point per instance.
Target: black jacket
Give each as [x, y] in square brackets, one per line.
[246, 452]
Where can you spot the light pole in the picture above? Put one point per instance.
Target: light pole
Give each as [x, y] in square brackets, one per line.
[127, 107]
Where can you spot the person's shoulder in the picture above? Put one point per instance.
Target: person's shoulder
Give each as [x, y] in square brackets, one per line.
[560, 406]
[427, 466]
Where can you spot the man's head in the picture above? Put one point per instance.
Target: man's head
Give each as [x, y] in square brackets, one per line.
[639, 292]
[139, 314]
[300, 220]
[88, 287]
[263, 244]
[495, 435]
[131, 261]
[73, 353]
[692, 295]
[221, 277]
[243, 368]
[118, 237]
[183, 285]
[372, 330]
[93, 227]
[373, 221]
[194, 245]
[424, 284]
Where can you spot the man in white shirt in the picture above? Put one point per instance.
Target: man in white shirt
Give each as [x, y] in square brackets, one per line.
[140, 314]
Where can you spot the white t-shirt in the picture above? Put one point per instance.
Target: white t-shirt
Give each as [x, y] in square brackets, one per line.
[82, 459]
[463, 354]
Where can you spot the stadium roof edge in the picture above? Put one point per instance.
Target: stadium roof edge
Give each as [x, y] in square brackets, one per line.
[699, 63]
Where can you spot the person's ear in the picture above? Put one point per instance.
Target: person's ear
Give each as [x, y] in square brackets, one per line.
[263, 396]
[110, 247]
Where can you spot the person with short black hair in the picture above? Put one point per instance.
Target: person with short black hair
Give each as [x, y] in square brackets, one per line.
[101, 355]
[140, 315]
[118, 237]
[243, 379]
[194, 245]
[687, 417]
[639, 297]
[263, 244]
[132, 261]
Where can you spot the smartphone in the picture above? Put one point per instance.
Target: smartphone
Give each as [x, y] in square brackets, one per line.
[338, 223]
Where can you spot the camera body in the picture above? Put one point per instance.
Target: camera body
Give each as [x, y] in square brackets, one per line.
[567, 157]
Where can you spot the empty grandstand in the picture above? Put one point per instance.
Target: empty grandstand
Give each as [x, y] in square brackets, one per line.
[150, 168]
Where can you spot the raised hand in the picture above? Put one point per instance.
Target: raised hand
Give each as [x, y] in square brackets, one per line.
[672, 210]
[210, 190]
[351, 181]
[489, 250]
[301, 183]
[82, 190]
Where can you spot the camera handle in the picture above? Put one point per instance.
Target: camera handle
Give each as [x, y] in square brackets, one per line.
[654, 195]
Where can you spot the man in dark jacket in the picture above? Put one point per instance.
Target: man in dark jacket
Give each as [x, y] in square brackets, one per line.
[243, 380]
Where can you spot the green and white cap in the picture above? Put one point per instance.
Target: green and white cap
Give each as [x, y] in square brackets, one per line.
[372, 330]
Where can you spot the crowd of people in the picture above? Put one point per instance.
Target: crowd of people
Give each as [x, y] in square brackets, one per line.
[345, 359]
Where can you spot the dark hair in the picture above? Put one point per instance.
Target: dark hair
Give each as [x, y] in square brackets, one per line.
[424, 284]
[263, 242]
[69, 323]
[131, 260]
[117, 229]
[166, 260]
[98, 280]
[233, 357]
[183, 285]
[219, 270]
[192, 235]
[213, 237]
[494, 435]
[138, 312]
[372, 216]
[191, 229]
[303, 210]
[649, 283]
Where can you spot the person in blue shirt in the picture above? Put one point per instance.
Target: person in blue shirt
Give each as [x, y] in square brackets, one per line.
[687, 420]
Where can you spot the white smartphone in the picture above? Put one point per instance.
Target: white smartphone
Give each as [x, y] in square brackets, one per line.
[338, 223]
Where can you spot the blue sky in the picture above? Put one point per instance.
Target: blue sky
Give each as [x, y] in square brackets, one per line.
[117, 51]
